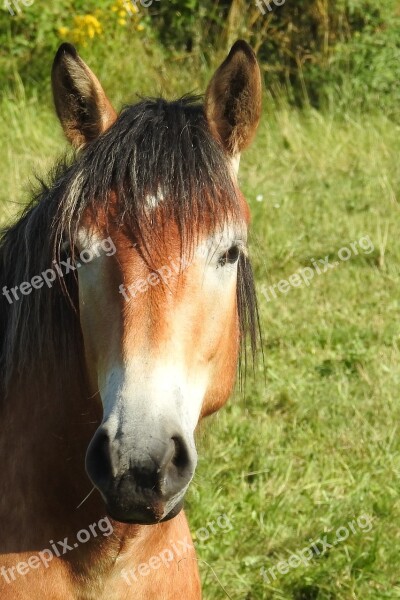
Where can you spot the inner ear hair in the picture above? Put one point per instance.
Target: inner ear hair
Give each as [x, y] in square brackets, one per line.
[81, 104]
[233, 99]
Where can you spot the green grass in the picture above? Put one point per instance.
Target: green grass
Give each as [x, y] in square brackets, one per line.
[314, 442]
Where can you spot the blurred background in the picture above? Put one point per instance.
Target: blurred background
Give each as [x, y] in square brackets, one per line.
[312, 442]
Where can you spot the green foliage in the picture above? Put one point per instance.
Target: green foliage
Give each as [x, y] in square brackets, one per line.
[26, 40]
[318, 51]
[364, 72]
[361, 70]
[30, 37]
[189, 25]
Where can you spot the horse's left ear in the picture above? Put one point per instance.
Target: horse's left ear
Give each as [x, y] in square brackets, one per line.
[233, 99]
[81, 104]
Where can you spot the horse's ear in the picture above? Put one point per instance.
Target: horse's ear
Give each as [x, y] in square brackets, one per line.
[233, 99]
[81, 104]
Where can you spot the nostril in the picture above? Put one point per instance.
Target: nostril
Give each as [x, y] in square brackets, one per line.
[177, 467]
[98, 461]
[181, 455]
[103, 448]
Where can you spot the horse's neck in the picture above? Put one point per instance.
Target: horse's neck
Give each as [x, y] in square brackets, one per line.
[45, 433]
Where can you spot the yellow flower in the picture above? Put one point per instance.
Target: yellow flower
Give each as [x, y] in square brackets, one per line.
[124, 8]
[63, 32]
[140, 27]
[85, 27]
[122, 22]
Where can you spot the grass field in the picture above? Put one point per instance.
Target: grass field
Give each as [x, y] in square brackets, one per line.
[313, 443]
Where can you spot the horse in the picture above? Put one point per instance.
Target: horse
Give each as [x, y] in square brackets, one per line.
[127, 296]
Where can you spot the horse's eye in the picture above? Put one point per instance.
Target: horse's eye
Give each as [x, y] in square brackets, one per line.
[230, 256]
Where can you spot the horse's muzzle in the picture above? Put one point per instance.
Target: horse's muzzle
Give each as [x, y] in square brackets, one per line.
[141, 484]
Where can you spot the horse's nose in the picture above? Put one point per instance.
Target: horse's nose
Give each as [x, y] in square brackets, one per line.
[144, 478]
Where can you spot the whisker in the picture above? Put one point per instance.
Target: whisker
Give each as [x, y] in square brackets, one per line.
[86, 497]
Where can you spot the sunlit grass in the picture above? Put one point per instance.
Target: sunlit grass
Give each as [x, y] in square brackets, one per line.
[316, 444]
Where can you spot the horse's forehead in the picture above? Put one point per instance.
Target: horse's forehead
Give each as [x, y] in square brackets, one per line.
[154, 203]
[160, 234]
[164, 243]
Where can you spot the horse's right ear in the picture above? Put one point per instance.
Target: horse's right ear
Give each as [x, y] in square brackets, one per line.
[81, 104]
[233, 100]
